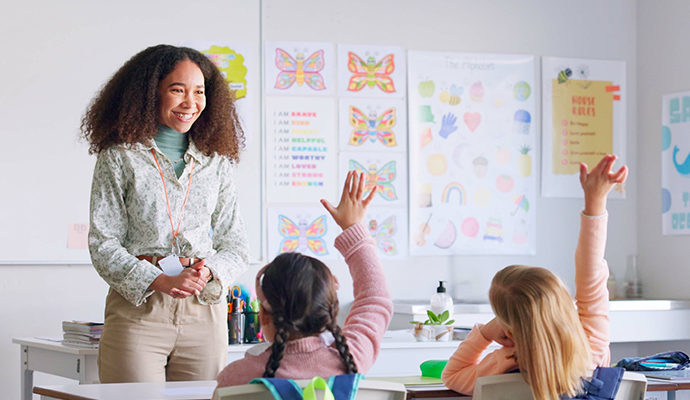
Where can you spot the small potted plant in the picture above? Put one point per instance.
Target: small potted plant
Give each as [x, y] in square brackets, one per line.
[437, 327]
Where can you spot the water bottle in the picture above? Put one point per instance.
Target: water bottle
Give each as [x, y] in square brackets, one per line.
[441, 301]
[633, 286]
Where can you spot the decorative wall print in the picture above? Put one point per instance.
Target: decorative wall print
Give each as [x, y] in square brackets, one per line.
[388, 227]
[299, 68]
[371, 71]
[583, 119]
[300, 154]
[307, 230]
[234, 60]
[373, 125]
[384, 173]
[675, 164]
[471, 179]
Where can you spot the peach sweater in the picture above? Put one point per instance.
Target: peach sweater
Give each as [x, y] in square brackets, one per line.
[591, 296]
[364, 326]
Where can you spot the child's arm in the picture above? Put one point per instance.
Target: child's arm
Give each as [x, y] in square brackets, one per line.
[466, 364]
[372, 308]
[591, 270]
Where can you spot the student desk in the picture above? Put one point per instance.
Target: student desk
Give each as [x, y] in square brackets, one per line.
[198, 390]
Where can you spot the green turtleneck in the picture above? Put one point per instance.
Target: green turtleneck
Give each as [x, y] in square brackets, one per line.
[173, 144]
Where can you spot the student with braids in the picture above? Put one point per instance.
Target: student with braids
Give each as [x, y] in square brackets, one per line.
[553, 343]
[299, 303]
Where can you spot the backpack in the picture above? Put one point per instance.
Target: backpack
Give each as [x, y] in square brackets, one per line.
[339, 387]
[603, 385]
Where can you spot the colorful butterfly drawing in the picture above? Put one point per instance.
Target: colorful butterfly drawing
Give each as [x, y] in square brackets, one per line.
[383, 234]
[299, 70]
[303, 237]
[370, 73]
[378, 180]
[372, 128]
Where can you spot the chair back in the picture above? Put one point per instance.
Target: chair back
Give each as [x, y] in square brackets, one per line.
[368, 390]
[513, 387]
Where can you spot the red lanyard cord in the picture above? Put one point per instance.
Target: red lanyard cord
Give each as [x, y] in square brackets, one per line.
[189, 186]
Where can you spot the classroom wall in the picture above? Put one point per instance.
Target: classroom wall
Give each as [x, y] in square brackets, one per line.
[662, 32]
[586, 28]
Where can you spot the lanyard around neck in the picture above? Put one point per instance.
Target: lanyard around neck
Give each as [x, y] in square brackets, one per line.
[179, 221]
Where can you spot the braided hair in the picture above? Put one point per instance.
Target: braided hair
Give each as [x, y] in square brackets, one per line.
[300, 292]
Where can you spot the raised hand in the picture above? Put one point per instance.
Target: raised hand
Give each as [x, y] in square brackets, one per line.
[352, 208]
[598, 183]
[448, 125]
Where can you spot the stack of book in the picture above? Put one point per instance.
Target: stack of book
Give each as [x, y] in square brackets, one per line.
[83, 334]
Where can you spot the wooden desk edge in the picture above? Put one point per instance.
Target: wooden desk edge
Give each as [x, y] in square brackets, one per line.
[58, 395]
[432, 394]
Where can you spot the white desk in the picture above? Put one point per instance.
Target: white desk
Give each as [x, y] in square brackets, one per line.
[198, 390]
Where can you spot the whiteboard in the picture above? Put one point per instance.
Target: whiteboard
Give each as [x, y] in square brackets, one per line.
[48, 81]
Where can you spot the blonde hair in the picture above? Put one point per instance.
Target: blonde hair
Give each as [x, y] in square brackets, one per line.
[551, 346]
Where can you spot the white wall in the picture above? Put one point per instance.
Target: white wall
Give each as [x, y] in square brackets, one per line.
[662, 32]
[35, 299]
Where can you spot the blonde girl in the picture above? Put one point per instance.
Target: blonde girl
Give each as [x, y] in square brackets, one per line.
[553, 342]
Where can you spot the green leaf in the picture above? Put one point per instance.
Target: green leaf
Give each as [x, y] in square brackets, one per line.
[450, 322]
[432, 316]
[444, 316]
[415, 322]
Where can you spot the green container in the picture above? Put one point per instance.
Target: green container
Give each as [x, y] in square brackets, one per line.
[433, 368]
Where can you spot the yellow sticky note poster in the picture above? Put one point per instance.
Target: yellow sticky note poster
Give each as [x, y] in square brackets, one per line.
[582, 124]
[77, 236]
[231, 65]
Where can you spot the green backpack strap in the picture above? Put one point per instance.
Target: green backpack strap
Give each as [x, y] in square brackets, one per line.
[317, 383]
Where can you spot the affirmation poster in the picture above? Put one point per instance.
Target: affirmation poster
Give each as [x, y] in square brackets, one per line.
[584, 119]
[307, 230]
[300, 150]
[373, 125]
[472, 186]
[675, 164]
[371, 71]
[388, 227]
[300, 68]
[234, 62]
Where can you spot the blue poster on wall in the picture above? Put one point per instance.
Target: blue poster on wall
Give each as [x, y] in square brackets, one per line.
[675, 164]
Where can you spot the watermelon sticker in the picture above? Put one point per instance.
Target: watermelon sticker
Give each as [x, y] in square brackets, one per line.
[447, 237]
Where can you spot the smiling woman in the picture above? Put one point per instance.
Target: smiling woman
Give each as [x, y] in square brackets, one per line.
[166, 133]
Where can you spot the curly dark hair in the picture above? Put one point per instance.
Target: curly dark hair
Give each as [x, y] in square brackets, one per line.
[125, 110]
[300, 292]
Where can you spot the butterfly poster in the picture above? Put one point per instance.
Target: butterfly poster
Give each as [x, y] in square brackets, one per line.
[384, 173]
[300, 68]
[371, 71]
[307, 230]
[235, 62]
[388, 228]
[373, 125]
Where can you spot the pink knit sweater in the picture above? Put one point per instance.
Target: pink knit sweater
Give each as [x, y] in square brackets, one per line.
[591, 296]
[364, 326]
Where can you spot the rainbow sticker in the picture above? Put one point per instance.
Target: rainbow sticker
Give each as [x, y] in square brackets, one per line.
[454, 187]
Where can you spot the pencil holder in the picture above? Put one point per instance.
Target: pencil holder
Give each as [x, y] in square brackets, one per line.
[252, 327]
[235, 323]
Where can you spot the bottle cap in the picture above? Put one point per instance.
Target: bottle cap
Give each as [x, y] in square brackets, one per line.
[440, 288]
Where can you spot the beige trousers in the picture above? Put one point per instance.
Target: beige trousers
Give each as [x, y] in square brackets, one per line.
[164, 339]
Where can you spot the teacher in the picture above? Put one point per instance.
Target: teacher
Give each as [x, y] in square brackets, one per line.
[166, 232]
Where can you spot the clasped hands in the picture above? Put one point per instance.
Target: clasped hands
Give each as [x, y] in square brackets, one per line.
[190, 282]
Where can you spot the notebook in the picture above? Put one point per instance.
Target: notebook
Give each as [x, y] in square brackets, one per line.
[680, 375]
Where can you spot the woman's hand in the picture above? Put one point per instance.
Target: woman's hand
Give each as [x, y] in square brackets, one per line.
[352, 208]
[598, 183]
[494, 331]
[187, 283]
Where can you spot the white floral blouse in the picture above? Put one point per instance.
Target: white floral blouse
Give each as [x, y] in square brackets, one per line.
[129, 217]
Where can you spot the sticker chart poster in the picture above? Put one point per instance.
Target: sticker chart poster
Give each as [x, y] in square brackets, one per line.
[307, 230]
[675, 164]
[371, 71]
[300, 149]
[234, 62]
[384, 173]
[472, 185]
[388, 227]
[296, 68]
[583, 119]
[373, 125]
